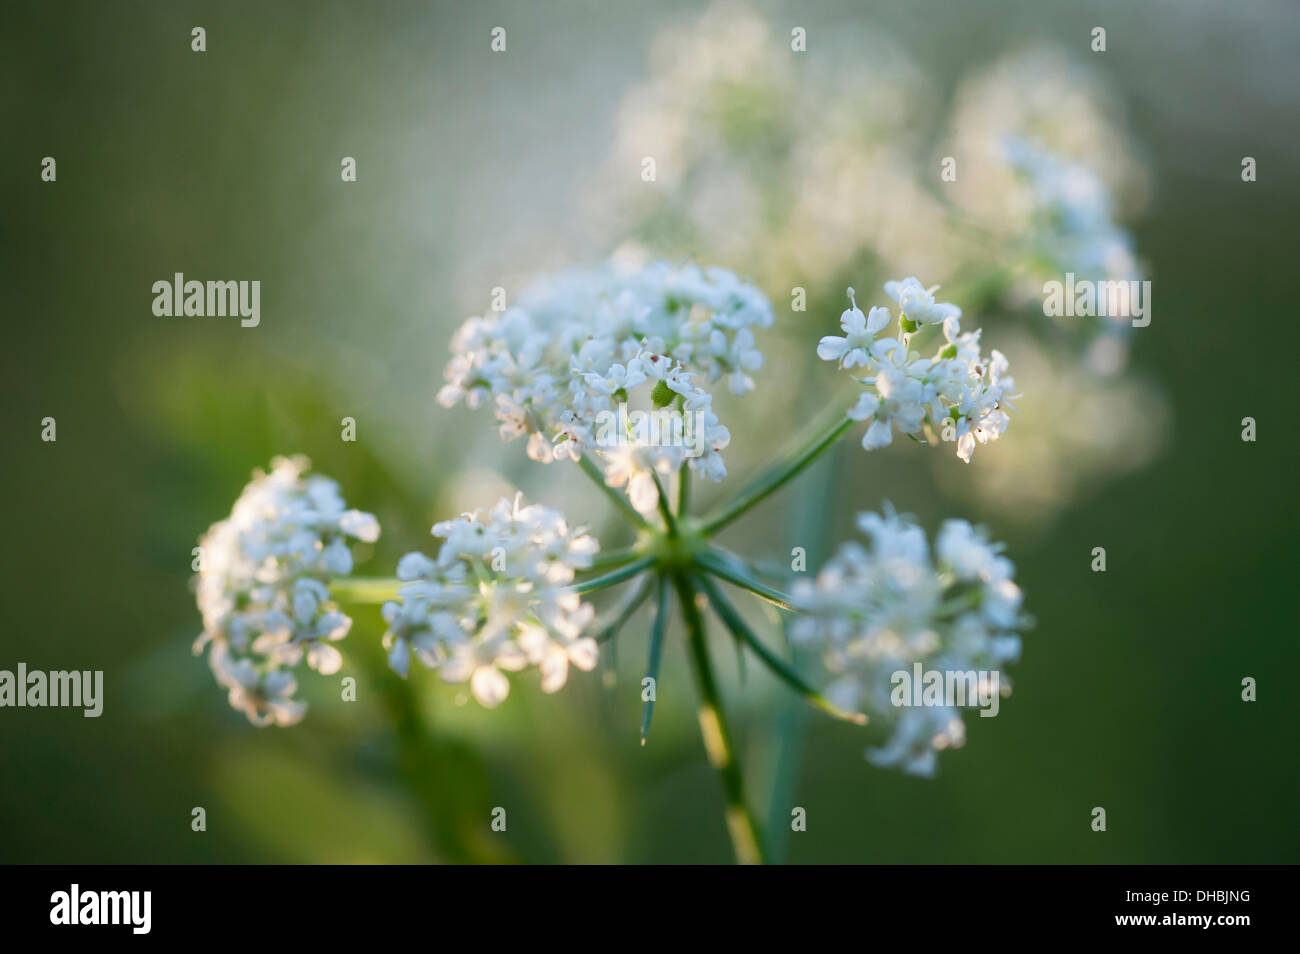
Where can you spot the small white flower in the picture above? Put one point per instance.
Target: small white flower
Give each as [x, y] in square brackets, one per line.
[917, 304]
[854, 349]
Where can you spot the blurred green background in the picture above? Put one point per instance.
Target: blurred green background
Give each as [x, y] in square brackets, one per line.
[473, 172]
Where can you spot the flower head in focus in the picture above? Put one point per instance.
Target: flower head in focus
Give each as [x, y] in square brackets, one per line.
[883, 607]
[497, 598]
[956, 391]
[580, 346]
[263, 587]
[916, 303]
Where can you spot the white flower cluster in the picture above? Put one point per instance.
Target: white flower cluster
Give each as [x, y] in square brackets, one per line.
[958, 391]
[1068, 211]
[762, 156]
[496, 598]
[559, 364]
[262, 587]
[879, 609]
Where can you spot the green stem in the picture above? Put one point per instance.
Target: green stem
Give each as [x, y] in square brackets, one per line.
[720, 569]
[718, 742]
[621, 502]
[683, 490]
[780, 668]
[665, 511]
[776, 477]
[630, 606]
[656, 654]
[617, 576]
[614, 558]
[360, 589]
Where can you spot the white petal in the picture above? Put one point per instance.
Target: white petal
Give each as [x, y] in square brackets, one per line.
[555, 670]
[865, 407]
[585, 653]
[399, 657]
[832, 348]
[337, 557]
[879, 434]
[363, 526]
[287, 712]
[458, 668]
[489, 686]
[643, 493]
[324, 658]
[877, 320]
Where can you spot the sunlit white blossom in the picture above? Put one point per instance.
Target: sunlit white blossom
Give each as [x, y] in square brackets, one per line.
[262, 587]
[578, 345]
[496, 599]
[880, 608]
[957, 394]
[916, 302]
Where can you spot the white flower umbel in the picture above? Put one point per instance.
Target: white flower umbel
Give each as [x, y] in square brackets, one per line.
[559, 364]
[496, 598]
[503, 591]
[878, 609]
[1069, 221]
[262, 587]
[954, 394]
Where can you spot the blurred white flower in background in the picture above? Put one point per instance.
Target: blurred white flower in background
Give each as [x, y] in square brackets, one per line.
[779, 165]
[262, 587]
[1049, 171]
[1078, 433]
[1046, 97]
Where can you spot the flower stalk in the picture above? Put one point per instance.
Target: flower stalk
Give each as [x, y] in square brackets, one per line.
[719, 745]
